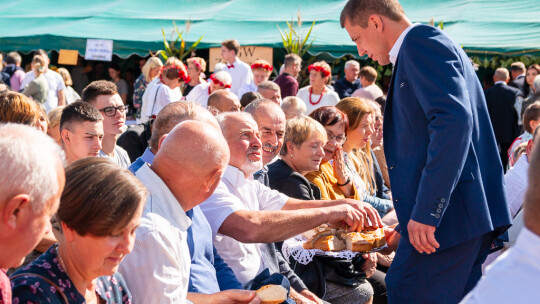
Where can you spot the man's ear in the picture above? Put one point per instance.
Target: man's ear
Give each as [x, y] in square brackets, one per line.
[377, 22]
[64, 135]
[161, 141]
[212, 179]
[14, 208]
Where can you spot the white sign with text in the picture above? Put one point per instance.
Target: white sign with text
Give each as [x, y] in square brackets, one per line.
[98, 49]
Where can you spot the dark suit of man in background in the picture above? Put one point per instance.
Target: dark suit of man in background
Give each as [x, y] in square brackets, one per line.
[501, 99]
[446, 175]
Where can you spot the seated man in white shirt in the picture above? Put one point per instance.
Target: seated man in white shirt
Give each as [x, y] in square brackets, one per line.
[243, 212]
[514, 277]
[240, 71]
[185, 171]
[369, 89]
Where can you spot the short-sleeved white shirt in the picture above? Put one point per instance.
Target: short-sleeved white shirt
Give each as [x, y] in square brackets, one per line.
[241, 75]
[329, 98]
[148, 98]
[56, 83]
[157, 270]
[234, 193]
[199, 94]
[160, 96]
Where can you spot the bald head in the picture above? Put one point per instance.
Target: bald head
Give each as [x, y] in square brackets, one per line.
[501, 74]
[175, 113]
[191, 160]
[224, 101]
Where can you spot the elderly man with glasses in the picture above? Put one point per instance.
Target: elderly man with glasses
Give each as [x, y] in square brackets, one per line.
[104, 96]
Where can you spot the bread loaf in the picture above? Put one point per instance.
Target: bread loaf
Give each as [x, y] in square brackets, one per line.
[272, 294]
[336, 240]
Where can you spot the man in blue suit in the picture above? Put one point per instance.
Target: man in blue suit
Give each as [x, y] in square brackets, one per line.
[446, 175]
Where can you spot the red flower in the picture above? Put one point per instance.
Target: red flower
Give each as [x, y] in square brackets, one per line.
[324, 71]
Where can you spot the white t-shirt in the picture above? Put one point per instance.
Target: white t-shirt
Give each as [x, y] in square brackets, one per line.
[148, 96]
[56, 83]
[329, 98]
[241, 75]
[234, 193]
[199, 94]
[159, 96]
[157, 271]
[120, 157]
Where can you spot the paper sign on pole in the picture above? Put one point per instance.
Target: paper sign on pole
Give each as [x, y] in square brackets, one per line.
[247, 54]
[68, 57]
[98, 49]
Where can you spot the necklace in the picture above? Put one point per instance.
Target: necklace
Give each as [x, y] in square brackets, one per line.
[310, 92]
[60, 260]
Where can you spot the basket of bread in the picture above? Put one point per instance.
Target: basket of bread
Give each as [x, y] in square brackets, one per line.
[330, 241]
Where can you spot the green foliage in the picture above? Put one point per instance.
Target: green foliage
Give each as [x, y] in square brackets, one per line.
[172, 49]
[293, 40]
[503, 62]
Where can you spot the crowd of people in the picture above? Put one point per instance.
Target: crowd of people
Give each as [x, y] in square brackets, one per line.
[194, 202]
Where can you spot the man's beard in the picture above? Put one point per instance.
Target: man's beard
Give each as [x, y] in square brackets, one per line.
[249, 167]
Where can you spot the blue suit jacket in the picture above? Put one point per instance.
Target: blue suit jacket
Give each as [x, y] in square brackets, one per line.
[439, 144]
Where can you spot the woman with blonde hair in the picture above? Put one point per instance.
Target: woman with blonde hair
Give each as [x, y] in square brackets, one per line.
[196, 66]
[261, 70]
[54, 124]
[317, 94]
[150, 71]
[167, 89]
[358, 156]
[38, 88]
[71, 95]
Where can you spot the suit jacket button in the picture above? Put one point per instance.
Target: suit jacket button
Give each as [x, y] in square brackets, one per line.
[439, 210]
[391, 167]
[441, 205]
[437, 215]
[443, 200]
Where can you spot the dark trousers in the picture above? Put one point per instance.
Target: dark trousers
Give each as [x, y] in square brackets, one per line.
[504, 154]
[442, 277]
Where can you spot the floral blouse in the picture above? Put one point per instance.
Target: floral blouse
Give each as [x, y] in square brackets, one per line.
[138, 92]
[32, 290]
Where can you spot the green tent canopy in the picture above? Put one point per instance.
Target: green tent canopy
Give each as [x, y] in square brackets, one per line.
[507, 27]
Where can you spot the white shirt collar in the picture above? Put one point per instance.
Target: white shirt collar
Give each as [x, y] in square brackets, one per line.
[394, 52]
[500, 81]
[528, 242]
[234, 176]
[163, 201]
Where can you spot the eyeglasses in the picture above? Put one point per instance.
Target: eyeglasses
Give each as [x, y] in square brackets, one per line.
[111, 111]
[339, 138]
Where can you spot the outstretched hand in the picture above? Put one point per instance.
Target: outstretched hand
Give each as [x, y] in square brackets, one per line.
[367, 211]
[422, 237]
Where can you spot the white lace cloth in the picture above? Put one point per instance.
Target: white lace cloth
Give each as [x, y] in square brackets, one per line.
[293, 247]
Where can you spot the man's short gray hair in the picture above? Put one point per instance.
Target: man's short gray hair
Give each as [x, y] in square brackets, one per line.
[268, 85]
[350, 63]
[254, 105]
[536, 84]
[31, 158]
[222, 119]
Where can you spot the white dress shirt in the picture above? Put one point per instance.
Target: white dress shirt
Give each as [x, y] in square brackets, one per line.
[513, 277]
[516, 181]
[56, 83]
[157, 270]
[329, 98]
[199, 94]
[394, 52]
[241, 75]
[234, 193]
